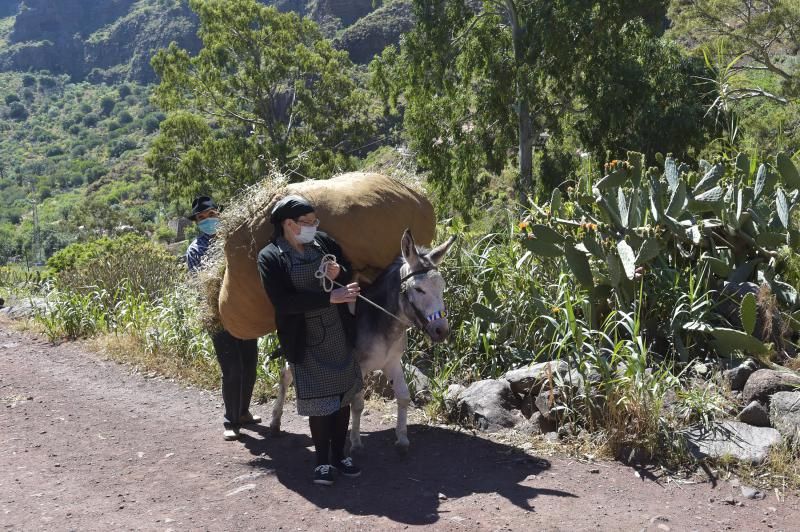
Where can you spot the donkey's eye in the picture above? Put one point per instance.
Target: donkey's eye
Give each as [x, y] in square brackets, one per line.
[420, 290]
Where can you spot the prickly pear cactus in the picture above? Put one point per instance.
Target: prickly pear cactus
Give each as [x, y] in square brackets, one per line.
[723, 219]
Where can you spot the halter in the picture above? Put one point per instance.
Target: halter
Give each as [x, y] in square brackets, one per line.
[430, 318]
[328, 284]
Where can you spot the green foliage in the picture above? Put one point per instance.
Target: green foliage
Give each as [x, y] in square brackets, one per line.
[274, 91]
[637, 225]
[109, 265]
[69, 169]
[473, 84]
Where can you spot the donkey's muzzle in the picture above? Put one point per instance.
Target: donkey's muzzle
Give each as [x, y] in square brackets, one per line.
[438, 330]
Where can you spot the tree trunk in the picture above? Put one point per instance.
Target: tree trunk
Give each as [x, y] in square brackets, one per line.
[525, 184]
[525, 149]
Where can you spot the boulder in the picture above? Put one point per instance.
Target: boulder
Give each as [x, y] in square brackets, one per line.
[737, 377]
[755, 414]
[528, 380]
[743, 442]
[785, 414]
[766, 382]
[487, 405]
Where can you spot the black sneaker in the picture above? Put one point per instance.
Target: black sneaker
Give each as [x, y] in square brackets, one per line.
[323, 475]
[347, 468]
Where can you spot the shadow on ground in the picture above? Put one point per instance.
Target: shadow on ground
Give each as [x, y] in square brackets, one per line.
[442, 464]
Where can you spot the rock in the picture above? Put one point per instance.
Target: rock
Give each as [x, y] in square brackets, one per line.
[737, 377]
[529, 379]
[732, 438]
[766, 382]
[487, 405]
[418, 383]
[547, 402]
[755, 414]
[785, 414]
[751, 493]
[23, 309]
[536, 425]
[451, 396]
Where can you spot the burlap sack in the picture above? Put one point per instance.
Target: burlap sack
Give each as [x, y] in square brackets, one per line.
[365, 213]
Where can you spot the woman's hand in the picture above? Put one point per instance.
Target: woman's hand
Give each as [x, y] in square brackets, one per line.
[332, 270]
[346, 294]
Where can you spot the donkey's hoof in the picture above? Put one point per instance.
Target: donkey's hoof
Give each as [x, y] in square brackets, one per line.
[275, 429]
[401, 447]
[356, 448]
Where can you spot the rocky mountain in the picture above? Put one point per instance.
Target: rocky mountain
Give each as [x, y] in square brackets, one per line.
[113, 40]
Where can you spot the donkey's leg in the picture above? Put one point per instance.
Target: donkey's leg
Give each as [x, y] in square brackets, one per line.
[395, 372]
[356, 408]
[277, 408]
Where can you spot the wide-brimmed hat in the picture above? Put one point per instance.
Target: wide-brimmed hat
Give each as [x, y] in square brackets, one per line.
[201, 204]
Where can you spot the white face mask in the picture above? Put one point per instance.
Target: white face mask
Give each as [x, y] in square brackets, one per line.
[306, 235]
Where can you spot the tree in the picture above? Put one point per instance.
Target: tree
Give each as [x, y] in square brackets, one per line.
[478, 81]
[759, 36]
[107, 104]
[663, 108]
[266, 88]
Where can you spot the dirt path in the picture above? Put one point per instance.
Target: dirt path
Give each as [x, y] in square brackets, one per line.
[88, 445]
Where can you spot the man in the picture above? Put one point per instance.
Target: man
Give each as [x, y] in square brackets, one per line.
[237, 358]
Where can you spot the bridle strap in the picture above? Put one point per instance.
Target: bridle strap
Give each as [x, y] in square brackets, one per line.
[423, 271]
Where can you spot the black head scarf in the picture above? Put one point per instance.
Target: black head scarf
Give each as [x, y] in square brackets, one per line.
[290, 207]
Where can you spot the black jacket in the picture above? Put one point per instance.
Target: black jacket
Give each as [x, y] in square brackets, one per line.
[291, 304]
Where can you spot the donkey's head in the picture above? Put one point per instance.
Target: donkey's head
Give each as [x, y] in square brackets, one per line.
[423, 287]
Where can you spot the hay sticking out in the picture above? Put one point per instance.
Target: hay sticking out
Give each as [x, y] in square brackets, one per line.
[239, 210]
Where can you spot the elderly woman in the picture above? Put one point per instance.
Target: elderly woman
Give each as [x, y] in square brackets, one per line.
[315, 328]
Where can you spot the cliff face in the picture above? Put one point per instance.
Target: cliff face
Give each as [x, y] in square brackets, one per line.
[369, 35]
[113, 40]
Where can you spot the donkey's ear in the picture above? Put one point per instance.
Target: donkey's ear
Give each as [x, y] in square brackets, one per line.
[408, 248]
[437, 254]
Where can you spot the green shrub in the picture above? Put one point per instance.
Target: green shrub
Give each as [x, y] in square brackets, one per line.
[90, 120]
[28, 80]
[112, 263]
[11, 98]
[125, 117]
[107, 105]
[17, 111]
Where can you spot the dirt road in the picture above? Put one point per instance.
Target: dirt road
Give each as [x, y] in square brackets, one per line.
[87, 444]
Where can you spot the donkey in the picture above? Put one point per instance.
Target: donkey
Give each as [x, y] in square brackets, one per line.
[412, 289]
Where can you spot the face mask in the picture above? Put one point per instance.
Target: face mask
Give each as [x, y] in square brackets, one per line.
[208, 226]
[306, 235]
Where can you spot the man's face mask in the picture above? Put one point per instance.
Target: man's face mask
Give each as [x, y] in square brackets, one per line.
[208, 226]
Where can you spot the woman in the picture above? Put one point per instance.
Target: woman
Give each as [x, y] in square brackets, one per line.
[315, 328]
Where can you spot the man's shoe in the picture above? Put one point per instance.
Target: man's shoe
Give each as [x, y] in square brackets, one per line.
[249, 419]
[323, 475]
[230, 434]
[347, 468]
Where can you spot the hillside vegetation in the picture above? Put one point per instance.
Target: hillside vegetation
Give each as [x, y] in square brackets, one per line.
[76, 152]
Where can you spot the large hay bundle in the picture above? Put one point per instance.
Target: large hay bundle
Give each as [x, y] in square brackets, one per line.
[365, 213]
